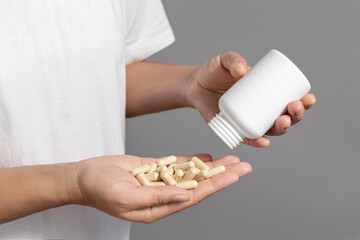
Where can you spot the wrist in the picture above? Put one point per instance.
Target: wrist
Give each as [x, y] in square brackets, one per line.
[72, 193]
[190, 78]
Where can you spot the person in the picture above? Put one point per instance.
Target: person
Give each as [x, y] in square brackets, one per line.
[63, 66]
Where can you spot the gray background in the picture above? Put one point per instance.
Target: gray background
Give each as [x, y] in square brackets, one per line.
[306, 184]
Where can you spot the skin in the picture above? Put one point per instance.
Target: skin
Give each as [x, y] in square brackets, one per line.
[105, 183]
[168, 86]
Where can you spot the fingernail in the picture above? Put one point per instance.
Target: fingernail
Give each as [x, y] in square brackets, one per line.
[285, 129]
[180, 198]
[240, 66]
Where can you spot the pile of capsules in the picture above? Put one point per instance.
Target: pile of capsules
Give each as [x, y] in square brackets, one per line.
[167, 172]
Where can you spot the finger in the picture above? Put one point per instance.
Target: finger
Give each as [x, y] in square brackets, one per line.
[205, 189]
[229, 159]
[145, 196]
[135, 161]
[180, 159]
[296, 111]
[259, 142]
[235, 63]
[308, 100]
[225, 160]
[241, 169]
[281, 126]
[210, 186]
[155, 195]
[205, 157]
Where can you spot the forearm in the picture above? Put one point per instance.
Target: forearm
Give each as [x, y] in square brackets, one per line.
[30, 189]
[153, 87]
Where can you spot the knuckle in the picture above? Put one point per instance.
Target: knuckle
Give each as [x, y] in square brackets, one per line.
[280, 131]
[149, 217]
[213, 62]
[232, 56]
[198, 200]
[283, 131]
[242, 60]
[231, 53]
[227, 56]
[221, 56]
[155, 197]
[237, 57]
[297, 118]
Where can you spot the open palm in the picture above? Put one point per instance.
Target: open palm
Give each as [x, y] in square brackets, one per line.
[106, 184]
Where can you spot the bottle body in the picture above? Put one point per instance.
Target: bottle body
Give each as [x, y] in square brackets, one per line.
[251, 106]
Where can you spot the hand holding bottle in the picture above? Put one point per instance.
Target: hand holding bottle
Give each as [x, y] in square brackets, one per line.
[216, 76]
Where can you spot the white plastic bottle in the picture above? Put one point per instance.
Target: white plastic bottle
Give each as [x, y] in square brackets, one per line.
[251, 106]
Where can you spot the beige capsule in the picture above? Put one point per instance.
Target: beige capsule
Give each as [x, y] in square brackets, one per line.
[163, 169]
[143, 168]
[153, 167]
[167, 178]
[155, 184]
[199, 164]
[203, 174]
[166, 160]
[142, 179]
[216, 170]
[152, 176]
[189, 175]
[179, 174]
[188, 184]
[184, 166]
[171, 169]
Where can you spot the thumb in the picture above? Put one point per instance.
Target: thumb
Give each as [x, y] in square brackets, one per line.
[235, 63]
[144, 196]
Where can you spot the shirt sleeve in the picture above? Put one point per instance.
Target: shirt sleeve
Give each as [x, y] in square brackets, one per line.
[147, 29]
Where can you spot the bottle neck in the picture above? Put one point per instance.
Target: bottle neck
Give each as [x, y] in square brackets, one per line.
[226, 131]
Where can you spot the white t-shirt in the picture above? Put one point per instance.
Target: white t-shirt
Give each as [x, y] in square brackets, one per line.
[62, 94]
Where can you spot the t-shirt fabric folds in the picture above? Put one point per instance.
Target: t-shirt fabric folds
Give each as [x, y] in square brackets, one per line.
[62, 94]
